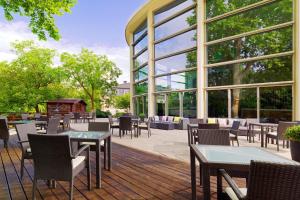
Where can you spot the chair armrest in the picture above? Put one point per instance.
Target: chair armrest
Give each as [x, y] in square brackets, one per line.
[84, 148]
[232, 184]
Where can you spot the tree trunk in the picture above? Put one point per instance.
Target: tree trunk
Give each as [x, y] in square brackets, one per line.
[37, 108]
[236, 81]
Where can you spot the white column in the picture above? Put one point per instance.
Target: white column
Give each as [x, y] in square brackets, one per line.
[201, 60]
[151, 72]
[229, 106]
[297, 60]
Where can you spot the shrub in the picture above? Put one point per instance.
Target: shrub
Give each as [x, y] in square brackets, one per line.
[293, 133]
[142, 115]
[102, 114]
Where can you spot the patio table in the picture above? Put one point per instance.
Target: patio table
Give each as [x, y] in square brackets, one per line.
[39, 123]
[263, 127]
[96, 137]
[235, 160]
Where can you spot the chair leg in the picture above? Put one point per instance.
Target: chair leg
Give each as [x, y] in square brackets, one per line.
[22, 167]
[287, 144]
[71, 189]
[89, 171]
[237, 141]
[34, 187]
[200, 170]
[283, 144]
[266, 142]
[104, 152]
[120, 133]
[277, 141]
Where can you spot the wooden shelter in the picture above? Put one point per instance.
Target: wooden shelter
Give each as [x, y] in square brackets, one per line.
[65, 106]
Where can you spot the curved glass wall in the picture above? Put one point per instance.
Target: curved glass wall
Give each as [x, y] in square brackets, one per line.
[140, 69]
[253, 45]
[176, 55]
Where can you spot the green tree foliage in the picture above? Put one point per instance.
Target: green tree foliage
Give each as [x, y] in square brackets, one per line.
[123, 101]
[95, 75]
[41, 14]
[30, 79]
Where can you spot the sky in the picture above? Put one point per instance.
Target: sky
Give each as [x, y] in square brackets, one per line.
[98, 25]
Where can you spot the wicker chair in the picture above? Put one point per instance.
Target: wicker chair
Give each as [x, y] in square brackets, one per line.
[4, 132]
[234, 132]
[52, 126]
[208, 126]
[22, 131]
[266, 181]
[125, 125]
[145, 126]
[53, 160]
[112, 124]
[66, 122]
[212, 137]
[279, 134]
[77, 117]
[24, 116]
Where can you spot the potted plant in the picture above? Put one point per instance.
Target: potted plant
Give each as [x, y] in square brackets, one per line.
[142, 116]
[293, 134]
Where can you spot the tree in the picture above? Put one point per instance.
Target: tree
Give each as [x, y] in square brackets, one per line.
[41, 14]
[95, 75]
[123, 101]
[30, 79]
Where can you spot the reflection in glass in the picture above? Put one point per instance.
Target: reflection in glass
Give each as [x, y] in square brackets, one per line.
[276, 104]
[218, 103]
[140, 31]
[141, 88]
[174, 104]
[179, 23]
[262, 17]
[141, 45]
[219, 7]
[244, 103]
[176, 63]
[141, 59]
[252, 46]
[181, 81]
[171, 9]
[269, 70]
[160, 105]
[178, 43]
[189, 104]
[141, 74]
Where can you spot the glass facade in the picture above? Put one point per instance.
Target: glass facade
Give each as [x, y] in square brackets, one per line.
[248, 59]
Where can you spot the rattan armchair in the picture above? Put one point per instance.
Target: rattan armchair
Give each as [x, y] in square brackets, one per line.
[22, 131]
[125, 125]
[234, 132]
[212, 137]
[52, 126]
[4, 132]
[279, 134]
[53, 160]
[272, 181]
[112, 124]
[145, 126]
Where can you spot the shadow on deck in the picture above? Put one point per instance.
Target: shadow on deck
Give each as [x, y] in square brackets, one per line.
[135, 175]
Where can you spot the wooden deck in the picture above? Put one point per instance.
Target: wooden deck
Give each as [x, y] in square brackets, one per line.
[134, 175]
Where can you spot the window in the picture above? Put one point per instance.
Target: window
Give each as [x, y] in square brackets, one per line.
[181, 81]
[141, 60]
[262, 71]
[190, 104]
[141, 88]
[218, 103]
[141, 74]
[174, 104]
[244, 103]
[176, 44]
[176, 63]
[276, 104]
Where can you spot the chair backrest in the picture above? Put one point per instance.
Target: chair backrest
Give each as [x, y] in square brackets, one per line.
[37, 116]
[208, 126]
[235, 125]
[110, 119]
[22, 131]
[53, 125]
[5, 118]
[67, 119]
[24, 116]
[273, 181]
[57, 116]
[212, 137]
[98, 126]
[283, 126]
[52, 156]
[77, 115]
[4, 133]
[125, 123]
